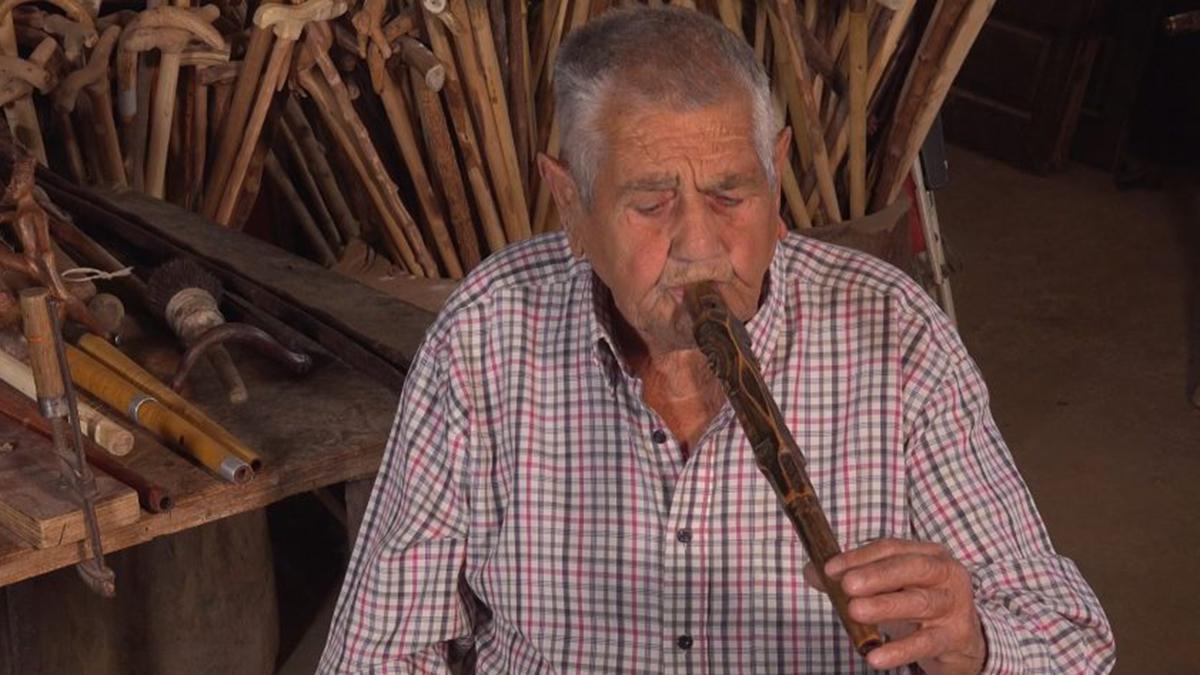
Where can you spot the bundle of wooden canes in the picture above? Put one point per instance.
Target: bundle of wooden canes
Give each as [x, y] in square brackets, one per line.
[412, 125]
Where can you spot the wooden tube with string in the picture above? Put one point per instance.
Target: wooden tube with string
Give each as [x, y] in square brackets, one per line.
[151, 414]
[126, 367]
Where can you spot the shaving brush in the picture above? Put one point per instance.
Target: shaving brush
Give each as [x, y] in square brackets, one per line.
[188, 298]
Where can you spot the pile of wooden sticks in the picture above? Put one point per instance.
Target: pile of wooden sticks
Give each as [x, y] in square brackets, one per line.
[414, 124]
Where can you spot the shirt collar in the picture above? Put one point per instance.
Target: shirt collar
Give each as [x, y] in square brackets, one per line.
[763, 327]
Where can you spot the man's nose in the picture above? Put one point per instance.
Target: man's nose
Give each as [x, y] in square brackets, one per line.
[697, 231]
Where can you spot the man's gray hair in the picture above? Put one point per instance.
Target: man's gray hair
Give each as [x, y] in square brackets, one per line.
[665, 56]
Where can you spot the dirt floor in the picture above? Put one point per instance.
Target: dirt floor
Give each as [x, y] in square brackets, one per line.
[1080, 303]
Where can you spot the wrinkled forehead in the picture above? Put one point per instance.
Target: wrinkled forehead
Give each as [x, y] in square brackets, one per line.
[641, 132]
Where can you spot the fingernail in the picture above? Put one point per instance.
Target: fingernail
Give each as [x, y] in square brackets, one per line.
[834, 567]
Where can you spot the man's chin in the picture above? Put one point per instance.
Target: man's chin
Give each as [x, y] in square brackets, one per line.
[673, 336]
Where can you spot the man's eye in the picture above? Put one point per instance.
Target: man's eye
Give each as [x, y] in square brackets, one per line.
[649, 209]
[725, 200]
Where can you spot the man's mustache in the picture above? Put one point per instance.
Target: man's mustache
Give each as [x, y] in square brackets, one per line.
[693, 274]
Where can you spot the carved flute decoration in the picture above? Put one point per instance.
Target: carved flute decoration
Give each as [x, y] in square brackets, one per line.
[726, 345]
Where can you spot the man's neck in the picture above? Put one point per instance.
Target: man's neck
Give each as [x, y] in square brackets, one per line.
[679, 386]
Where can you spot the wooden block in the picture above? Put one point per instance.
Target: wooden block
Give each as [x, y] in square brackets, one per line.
[36, 504]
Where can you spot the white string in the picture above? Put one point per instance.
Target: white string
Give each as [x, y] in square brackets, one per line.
[81, 274]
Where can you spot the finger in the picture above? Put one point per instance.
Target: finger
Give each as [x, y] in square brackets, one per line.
[911, 604]
[923, 644]
[812, 578]
[896, 573]
[878, 550]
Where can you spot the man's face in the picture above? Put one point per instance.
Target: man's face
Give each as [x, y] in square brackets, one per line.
[680, 197]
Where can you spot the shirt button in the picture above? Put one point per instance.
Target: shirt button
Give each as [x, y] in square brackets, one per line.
[684, 642]
[659, 436]
[683, 535]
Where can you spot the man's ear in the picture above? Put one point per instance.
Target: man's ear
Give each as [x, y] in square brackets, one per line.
[566, 197]
[780, 154]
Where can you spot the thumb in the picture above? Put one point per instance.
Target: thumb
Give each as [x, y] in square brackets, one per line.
[813, 579]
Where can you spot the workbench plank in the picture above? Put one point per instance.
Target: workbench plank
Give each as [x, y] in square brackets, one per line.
[36, 505]
[327, 427]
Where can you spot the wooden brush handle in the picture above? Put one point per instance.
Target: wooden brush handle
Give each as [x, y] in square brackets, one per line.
[724, 341]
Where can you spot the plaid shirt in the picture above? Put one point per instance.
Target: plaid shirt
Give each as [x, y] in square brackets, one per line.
[524, 462]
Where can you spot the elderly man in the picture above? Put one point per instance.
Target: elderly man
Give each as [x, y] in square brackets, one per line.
[566, 488]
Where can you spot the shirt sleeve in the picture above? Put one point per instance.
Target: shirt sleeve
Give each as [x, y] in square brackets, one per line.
[399, 603]
[1038, 613]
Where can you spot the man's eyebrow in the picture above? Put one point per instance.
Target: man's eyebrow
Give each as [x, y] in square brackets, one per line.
[729, 181]
[651, 184]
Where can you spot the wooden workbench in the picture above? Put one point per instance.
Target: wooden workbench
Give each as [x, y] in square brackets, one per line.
[327, 427]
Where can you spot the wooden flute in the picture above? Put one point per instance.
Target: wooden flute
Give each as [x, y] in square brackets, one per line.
[724, 341]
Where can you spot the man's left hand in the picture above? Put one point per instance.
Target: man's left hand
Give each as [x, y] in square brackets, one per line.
[920, 596]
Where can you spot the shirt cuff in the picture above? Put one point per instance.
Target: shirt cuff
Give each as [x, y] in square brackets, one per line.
[1003, 646]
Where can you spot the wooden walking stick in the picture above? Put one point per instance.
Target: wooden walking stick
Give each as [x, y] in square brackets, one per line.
[315, 159]
[175, 29]
[478, 73]
[897, 21]
[489, 215]
[304, 218]
[779, 11]
[196, 154]
[309, 182]
[93, 78]
[286, 22]
[20, 77]
[952, 30]
[333, 99]
[858, 108]
[232, 122]
[444, 160]
[520, 94]
[22, 116]
[495, 105]
[406, 139]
